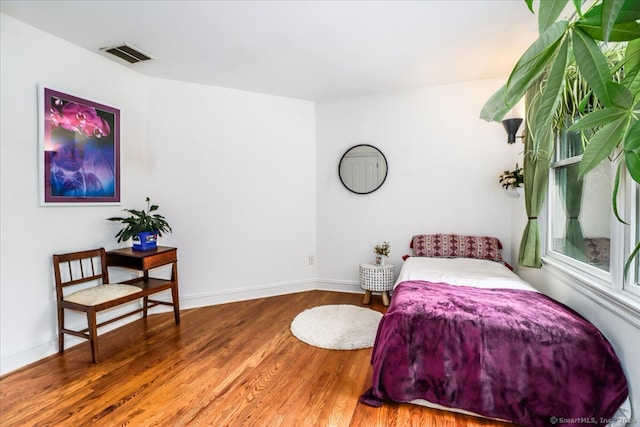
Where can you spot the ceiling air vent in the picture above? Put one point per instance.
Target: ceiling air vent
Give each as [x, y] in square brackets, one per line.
[128, 53]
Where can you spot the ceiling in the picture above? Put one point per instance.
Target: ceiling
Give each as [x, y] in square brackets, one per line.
[301, 49]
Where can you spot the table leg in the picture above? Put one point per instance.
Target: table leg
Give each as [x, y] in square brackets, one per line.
[174, 293]
[367, 297]
[145, 306]
[385, 298]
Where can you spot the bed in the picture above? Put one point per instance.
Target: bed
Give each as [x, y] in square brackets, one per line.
[464, 333]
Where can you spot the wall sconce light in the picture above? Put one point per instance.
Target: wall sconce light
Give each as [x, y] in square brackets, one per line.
[512, 126]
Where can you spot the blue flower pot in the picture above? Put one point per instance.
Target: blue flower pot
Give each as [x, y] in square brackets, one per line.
[145, 241]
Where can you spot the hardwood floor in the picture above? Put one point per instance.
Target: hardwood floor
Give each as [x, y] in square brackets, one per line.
[227, 365]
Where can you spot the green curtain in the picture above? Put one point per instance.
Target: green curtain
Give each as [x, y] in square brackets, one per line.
[538, 150]
[571, 193]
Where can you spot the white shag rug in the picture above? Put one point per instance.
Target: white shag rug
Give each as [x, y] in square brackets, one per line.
[337, 327]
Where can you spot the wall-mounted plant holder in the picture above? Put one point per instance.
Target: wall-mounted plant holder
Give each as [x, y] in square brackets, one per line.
[514, 192]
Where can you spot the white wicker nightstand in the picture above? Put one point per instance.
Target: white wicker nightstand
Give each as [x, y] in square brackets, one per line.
[377, 278]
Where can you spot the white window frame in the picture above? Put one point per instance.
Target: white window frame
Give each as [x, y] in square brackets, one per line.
[606, 288]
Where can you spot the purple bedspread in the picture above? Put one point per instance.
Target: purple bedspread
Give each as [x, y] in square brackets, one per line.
[509, 354]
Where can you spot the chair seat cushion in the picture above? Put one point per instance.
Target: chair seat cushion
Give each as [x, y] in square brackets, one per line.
[100, 294]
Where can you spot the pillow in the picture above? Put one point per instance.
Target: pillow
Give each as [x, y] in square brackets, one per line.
[456, 246]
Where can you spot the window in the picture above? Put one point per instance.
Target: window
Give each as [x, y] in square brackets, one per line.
[580, 217]
[583, 236]
[634, 280]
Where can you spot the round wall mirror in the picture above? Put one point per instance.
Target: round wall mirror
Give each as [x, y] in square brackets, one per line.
[363, 169]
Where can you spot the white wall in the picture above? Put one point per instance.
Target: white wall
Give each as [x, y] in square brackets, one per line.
[30, 234]
[444, 164]
[234, 173]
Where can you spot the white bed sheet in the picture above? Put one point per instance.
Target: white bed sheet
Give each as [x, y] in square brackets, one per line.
[479, 273]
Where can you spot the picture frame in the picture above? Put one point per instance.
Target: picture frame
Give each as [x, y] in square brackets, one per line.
[79, 150]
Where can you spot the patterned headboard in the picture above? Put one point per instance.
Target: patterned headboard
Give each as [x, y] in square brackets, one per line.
[455, 245]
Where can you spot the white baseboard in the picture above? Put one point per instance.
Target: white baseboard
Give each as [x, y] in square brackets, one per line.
[11, 362]
[24, 357]
[27, 356]
[349, 286]
[245, 294]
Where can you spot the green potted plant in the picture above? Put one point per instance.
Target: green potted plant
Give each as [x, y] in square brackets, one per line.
[577, 87]
[142, 226]
[584, 38]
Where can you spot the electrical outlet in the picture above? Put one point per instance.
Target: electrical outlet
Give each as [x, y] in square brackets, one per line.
[312, 260]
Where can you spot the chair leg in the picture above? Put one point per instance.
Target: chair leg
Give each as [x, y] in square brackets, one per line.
[60, 328]
[93, 334]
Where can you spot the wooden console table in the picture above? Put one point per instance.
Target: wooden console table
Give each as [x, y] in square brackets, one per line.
[144, 261]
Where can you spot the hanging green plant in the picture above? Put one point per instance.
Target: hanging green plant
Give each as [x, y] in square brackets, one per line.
[584, 37]
[584, 76]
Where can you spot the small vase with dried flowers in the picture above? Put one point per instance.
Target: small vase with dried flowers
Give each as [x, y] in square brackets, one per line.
[382, 251]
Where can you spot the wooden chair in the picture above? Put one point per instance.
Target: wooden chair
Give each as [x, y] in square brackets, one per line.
[82, 284]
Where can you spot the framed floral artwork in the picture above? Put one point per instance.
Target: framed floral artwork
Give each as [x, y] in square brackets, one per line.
[79, 150]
